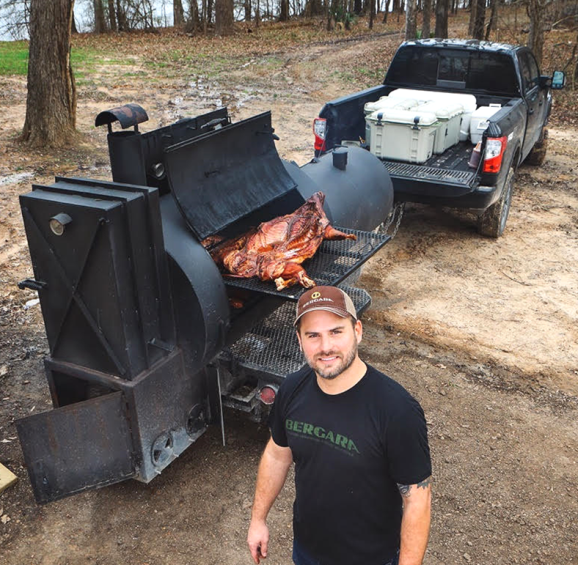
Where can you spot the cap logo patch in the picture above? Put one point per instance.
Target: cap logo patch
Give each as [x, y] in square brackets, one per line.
[315, 295]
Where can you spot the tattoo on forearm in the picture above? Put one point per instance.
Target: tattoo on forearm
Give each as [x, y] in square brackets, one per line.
[405, 490]
[425, 483]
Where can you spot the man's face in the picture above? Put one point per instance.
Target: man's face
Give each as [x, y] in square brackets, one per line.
[329, 342]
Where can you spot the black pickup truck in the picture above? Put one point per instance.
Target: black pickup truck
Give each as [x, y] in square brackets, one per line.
[496, 74]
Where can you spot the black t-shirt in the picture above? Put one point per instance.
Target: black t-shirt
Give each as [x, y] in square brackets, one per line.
[350, 450]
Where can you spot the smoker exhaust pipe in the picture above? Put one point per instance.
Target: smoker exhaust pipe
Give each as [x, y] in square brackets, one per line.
[340, 158]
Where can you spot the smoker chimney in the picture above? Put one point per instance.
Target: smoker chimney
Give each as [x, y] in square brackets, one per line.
[340, 158]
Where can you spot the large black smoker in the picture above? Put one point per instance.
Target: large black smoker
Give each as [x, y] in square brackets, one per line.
[145, 345]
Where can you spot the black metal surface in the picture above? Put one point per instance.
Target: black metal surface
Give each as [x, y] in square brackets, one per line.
[333, 262]
[106, 302]
[359, 197]
[127, 115]
[430, 174]
[226, 175]
[199, 294]
[139, 158]
[271, 346]
[81, 446]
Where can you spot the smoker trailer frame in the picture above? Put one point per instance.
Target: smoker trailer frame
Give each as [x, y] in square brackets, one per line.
[145, 345]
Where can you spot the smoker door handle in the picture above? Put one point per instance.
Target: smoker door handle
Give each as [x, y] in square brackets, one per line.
[32, 284]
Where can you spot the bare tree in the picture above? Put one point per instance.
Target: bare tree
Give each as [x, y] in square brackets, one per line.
[441, 30]
[410, 20]
[178, 13]
[493, 18]
[112, 15]
[283, 10]
[479, 20]
[537, 12]
[15, 18]
[99, 19]
[426, 24]
[223, 17]
[51, 101]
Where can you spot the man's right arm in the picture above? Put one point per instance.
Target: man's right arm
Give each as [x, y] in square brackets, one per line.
[271, 476]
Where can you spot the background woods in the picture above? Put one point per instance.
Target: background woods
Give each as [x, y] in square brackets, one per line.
[519, 21]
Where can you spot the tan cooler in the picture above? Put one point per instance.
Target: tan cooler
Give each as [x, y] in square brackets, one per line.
[449, 115]
[403, 135]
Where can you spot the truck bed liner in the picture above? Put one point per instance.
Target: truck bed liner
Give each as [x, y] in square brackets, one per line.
[451, 167]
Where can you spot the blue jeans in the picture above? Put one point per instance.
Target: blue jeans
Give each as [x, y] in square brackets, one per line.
[300, 557]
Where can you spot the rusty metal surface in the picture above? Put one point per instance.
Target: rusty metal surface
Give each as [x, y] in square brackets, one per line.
[127, 115]
[77, 447]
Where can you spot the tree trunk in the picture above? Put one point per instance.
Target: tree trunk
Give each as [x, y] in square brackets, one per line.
[371, 13]
[178, 13]
[479, 20]
[121, 17]
[441, 30]
[536, 11]
[51, 100]
[471, 25]
[493, 19]
[426, 24]
[99, 19]
[410, 20]
[385, 13]
[223, 17]
[284, 11]
[112, 15]
[247, 8]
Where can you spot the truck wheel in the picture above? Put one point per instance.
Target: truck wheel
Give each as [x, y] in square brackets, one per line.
[537, 155]
[492, 222]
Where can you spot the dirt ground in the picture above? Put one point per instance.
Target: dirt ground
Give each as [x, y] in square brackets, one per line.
[482, 332]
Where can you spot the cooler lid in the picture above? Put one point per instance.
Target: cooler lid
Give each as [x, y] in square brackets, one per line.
[409, 117]
[443, 109]
[226, 174]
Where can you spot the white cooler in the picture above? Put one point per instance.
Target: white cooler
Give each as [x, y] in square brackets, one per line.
[468, 102]
[449, 114]
[479, 121]
[403, 135]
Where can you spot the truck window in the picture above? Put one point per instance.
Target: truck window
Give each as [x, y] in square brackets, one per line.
[529, 70]
[488, 71]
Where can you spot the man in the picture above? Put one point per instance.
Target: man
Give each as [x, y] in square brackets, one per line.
[359, 442]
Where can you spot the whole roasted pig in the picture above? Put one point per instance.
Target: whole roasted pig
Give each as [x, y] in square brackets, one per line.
[275, 250]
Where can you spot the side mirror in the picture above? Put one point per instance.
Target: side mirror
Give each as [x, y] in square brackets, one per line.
[558, 80]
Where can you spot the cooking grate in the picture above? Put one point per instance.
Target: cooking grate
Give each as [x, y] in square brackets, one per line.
[419, 172]
[333, 262]
[271, 347]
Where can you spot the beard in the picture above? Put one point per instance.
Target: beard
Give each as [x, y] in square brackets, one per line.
[343, 363]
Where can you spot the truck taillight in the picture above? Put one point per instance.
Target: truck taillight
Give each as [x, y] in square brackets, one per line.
[319, 129]
[267, 394]
[495, 148]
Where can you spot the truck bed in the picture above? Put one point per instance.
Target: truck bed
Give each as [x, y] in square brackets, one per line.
[449, 168]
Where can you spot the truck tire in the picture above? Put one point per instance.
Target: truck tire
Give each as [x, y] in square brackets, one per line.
[537, 155]
[492, 222]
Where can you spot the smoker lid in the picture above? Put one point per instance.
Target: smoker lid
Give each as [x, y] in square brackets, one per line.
[227, 174]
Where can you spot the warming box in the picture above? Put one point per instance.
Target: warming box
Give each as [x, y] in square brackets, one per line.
[402, 135]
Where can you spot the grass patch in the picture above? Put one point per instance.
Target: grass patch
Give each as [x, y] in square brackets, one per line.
[14, 59]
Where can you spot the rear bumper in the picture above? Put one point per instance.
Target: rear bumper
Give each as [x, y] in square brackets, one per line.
[478, 198]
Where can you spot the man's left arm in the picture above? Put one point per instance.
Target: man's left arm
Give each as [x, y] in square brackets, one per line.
[415, 521]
